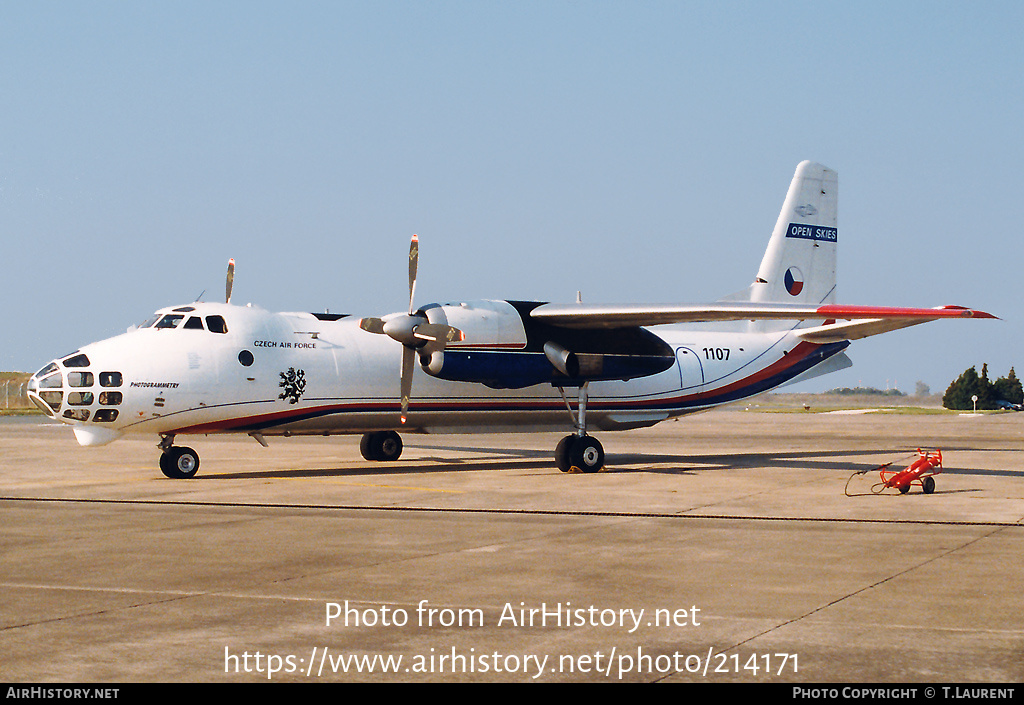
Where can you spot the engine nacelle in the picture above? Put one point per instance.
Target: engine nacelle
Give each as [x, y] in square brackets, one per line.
[505, 348]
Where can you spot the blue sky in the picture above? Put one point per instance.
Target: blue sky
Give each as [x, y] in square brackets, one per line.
[638, 152]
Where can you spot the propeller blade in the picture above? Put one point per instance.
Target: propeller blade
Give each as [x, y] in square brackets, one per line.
[230, 281]
[438, 332]
[414, 261]
[372, 325]
[414, 331]
[408, 363]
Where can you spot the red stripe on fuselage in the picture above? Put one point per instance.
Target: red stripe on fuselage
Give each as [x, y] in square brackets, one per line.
[789, 359]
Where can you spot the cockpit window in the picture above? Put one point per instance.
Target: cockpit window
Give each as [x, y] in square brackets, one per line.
[216, 324]
[54, 381]
[80, 379]
[110, 379]
[53, 400]
[171, 320]
[110, 398]
[80, 398]
[52, 367]
[77, 361]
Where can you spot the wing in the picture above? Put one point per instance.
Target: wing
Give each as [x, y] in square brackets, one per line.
[860, 321]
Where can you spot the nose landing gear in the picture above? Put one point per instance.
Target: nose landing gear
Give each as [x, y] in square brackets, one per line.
[177, 462]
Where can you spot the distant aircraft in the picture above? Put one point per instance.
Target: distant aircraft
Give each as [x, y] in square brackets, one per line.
[483, 366]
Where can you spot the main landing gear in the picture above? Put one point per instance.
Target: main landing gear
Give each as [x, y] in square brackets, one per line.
[579, 451]
[381, 445]
[177, 462]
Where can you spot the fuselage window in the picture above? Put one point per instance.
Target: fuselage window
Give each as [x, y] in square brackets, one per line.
[105, 415]
[171, 320]
[80, 379]
[110, 398]
[216, 324]
[110, 379]
[77, 414]
[194, 323]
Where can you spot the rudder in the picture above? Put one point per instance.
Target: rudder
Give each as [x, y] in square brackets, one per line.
[799, 265]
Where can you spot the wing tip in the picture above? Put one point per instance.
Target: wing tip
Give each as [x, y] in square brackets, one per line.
[968, 312]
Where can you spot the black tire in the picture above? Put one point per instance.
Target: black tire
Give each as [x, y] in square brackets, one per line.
[904, 488]
[928, 485]
[562, 453]
[381, 446]
[179, 463]
[366, 446]
[389, 447]
[587, 454]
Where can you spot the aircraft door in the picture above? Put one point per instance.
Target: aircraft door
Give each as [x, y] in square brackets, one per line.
[691, 371]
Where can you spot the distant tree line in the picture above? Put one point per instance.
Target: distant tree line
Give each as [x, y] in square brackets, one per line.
[960, 393]
[867, 390]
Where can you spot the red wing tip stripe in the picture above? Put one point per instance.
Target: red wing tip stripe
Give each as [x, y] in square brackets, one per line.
[839, 311]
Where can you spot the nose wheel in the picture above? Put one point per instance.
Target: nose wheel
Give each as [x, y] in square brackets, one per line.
[178, 462]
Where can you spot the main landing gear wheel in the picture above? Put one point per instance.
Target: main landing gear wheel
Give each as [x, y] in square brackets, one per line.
[179, 463]
[582, 452]
[579, 451]
[381, 445]
[562, 453]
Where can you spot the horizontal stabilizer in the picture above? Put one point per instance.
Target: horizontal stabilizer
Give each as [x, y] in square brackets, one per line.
[839, 361]
[855, 330]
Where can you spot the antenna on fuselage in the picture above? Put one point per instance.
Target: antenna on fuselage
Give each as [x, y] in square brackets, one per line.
[230, 281]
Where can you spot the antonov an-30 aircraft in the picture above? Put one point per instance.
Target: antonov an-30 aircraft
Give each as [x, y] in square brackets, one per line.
[492, 366]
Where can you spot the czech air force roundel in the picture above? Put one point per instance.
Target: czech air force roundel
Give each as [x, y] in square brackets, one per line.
[794, 281]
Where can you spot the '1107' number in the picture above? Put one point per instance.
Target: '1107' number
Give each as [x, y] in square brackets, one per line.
[716, 353]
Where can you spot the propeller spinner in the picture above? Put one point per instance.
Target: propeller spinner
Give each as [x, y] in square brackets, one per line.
[413, 330]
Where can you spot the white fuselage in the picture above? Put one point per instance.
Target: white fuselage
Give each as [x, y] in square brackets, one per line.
[299, 373]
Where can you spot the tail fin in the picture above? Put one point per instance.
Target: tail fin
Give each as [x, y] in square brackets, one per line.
[799, 265]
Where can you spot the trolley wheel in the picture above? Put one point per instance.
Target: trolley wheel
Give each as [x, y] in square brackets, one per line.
[928, 485]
